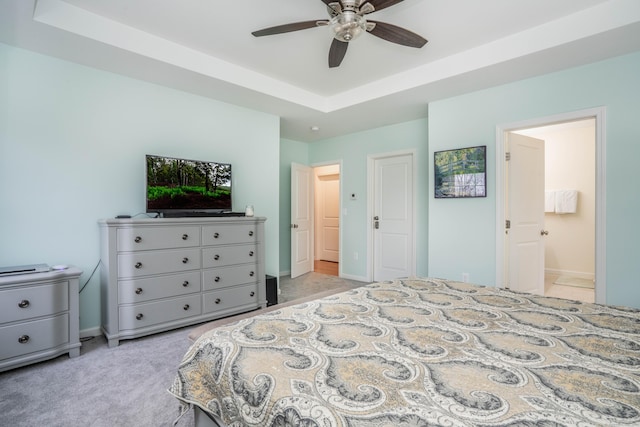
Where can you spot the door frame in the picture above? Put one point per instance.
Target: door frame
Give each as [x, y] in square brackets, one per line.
[371, 159]
[599, 114]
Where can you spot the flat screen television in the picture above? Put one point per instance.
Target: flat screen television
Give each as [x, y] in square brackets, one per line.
[180, 187]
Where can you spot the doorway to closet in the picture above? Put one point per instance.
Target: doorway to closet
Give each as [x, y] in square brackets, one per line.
[327, 223]
[315, 219]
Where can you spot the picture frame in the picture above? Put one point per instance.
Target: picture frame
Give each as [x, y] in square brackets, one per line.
[460, 173]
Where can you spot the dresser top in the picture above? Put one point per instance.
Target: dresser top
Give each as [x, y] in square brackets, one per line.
[187, 220]
[47, 276]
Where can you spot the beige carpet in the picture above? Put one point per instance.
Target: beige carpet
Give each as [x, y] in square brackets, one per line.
[120, 386]
[574, 281]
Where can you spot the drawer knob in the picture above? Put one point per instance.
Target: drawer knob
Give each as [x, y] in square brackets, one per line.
[138, 265]
[24, 303]
[185, 283]
[217, 279]
[252, 294]
[186, 307]
[218, 300]
[250, 233]
[216, 257]
[139, 316]
[139, 291]
[138, 239]
[23, 339]
[216, 235]
[250, 253]
[251, 273]
[185, 260]
[185, 236]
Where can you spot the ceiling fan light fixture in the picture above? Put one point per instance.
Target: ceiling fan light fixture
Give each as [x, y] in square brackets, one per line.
[347, 26]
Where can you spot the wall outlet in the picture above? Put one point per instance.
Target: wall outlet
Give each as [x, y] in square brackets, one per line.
[465, 277]
[355, 256]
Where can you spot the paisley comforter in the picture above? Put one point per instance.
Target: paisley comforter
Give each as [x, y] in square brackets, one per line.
[420, 352]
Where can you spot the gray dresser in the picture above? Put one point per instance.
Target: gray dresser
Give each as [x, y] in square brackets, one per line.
[164, 273]
[39, 317]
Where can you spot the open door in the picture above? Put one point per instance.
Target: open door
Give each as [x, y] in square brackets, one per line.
[301, 219]
[524, 228]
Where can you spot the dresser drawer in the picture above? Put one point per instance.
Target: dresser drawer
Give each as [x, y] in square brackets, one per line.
[138, 264]
[37, 335]
[229, 276]
[150, 288]
[152, 313]
[227, 255]
[33, 301]
[146, 238]
[226, 234]
[229, 298]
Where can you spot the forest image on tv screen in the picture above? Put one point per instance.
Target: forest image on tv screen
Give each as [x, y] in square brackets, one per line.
[187, 184]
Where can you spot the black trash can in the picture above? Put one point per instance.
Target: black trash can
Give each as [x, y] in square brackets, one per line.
[272, 290]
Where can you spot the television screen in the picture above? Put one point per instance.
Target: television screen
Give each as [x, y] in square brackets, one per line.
[180, 186]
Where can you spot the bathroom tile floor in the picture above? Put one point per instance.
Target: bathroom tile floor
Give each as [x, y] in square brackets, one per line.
[568, 292]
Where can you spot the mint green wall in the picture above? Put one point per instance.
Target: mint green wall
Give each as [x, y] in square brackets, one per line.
[290, 152]
[353, 151]
[72, 146]
[462, 232]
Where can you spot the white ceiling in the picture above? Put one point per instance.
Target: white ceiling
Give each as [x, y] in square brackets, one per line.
[206, 47]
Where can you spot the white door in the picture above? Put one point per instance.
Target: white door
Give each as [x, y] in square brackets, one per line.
[525, 213]
[328, 217]
[393, 241]
[301, 219]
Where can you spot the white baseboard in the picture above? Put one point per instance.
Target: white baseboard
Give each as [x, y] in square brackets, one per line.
[356, 278]
[579, 274]
[91, 332]
[343, 276]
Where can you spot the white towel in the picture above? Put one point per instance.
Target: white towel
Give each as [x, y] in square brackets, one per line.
[550, 200]
[566, 201]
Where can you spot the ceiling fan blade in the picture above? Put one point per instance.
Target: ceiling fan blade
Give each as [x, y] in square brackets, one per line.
[396, 34]
[336, 52]
[286, 28]
[381, 4]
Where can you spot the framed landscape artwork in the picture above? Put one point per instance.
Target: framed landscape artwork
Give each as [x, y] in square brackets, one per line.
[461, 172]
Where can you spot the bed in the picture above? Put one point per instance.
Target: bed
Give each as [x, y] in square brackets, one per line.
[419, 352]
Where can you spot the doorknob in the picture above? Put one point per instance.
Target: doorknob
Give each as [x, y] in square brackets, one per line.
[376, 222]
[544, 233]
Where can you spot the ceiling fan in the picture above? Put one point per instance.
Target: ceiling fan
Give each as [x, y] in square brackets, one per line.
[347, 21]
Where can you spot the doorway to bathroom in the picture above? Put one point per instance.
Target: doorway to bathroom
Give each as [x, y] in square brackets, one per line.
[572, 243]
[569, 208]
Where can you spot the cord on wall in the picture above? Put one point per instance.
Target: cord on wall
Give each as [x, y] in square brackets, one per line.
[89, 279]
